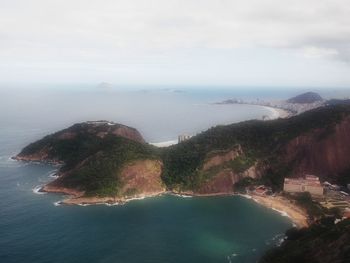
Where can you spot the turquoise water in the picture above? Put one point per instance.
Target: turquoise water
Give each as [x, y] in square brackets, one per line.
[160, 229]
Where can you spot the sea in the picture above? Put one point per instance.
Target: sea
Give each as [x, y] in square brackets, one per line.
[35, 228]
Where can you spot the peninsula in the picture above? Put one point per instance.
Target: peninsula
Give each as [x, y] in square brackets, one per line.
[108, 162]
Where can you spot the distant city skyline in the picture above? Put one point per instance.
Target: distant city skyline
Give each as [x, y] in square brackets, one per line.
[225, 43]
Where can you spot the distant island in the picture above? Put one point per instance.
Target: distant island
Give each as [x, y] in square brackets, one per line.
[105, 162]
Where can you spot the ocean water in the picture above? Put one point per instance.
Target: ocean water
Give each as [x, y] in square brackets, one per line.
[160, 229]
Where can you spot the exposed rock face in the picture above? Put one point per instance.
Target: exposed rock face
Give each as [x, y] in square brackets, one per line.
[324, 152]
[225, 177]
[308, 97]
[221, 183]
[53, 188]
[139, 179]
[42, 155]
[256, 171]
[224, 180]
[221, 157]
[142, 177]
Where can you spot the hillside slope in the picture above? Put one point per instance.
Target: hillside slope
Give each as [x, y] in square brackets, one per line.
[217, 161]
[99, 159]
[315, 142]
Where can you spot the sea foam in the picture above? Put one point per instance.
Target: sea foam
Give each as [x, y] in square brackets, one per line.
[283, 213]
[37, 190]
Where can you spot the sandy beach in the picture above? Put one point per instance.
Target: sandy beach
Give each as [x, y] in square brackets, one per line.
[277, 113]
[284, 206]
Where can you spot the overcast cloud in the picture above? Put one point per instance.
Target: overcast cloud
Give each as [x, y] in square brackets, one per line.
[160, 41]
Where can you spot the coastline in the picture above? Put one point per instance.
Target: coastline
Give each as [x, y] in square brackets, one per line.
[108, 200]
[277, 113]
[278, 203]
[283, 206]
[76, 197]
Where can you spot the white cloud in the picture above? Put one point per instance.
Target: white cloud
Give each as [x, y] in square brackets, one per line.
[109, 32]
[316, 52]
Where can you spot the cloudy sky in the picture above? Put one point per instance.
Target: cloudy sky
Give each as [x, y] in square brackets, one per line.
[176, 42]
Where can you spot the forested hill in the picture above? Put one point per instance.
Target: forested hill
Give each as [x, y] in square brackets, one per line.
[98, 156]
[266, 144]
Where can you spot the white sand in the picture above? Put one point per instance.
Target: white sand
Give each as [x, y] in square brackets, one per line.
[277, 113]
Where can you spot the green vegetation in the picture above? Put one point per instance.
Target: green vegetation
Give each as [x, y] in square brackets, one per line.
[260, 140]
[312, 207]
[93, 162]
[99, 174]
[241, 186]
[313, 244]
[241, 164]
[304, 200]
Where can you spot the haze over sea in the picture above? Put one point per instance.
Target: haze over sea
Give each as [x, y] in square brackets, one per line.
[160, 229]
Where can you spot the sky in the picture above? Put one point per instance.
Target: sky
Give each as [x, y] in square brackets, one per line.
[176, 42]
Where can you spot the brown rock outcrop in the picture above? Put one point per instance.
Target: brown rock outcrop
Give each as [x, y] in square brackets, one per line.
[39, 156]
[142, 177]
[221, 157]
[221, 183]
[224, 178]
[324, 152]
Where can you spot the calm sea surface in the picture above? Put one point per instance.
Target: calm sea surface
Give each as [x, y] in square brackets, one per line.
[161, 229]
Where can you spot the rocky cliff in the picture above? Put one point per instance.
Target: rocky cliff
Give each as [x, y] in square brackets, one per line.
[324, 151]
[135, 179]
[223, 169]
[315, 142]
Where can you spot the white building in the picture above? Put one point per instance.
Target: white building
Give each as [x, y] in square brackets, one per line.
[183, 137]
[309, 184]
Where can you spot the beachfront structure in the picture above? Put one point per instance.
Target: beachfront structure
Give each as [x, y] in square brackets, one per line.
[309, 184]
[184, 137]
